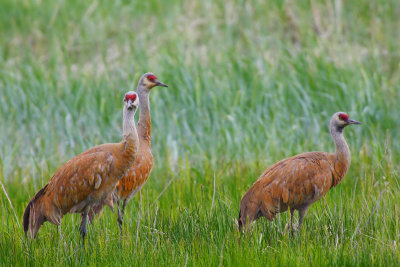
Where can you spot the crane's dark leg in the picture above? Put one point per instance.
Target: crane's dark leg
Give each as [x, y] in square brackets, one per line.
[83, 227]
[291, 221]
[115, 200]
[121, 215]
[123, 209]
[302, 213]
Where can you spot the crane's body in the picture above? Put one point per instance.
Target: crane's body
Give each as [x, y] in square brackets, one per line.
[139, 172]
[137, 175]
[297, 182]
[86, 180]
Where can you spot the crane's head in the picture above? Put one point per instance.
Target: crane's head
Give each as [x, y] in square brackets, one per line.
[340, 120]
[131, 100]
[149, 80]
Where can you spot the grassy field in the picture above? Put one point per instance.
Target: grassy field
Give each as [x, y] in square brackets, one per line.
[250, 83]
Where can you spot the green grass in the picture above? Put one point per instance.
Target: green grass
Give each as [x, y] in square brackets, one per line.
[250, 83]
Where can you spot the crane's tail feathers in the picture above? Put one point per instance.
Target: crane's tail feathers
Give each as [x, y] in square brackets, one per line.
[33, 218]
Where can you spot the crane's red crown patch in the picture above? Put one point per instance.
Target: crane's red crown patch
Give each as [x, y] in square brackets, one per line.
[130, 96]
[343, 116]
[152, 77]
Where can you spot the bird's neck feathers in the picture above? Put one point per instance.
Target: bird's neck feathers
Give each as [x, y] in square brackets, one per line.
[129, 128]
[144, 124]
[341, 144]
[342, 153]
[130, 142]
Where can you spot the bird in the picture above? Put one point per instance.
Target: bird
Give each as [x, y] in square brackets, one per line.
[139, 172]
[297, 182]
[86, 179]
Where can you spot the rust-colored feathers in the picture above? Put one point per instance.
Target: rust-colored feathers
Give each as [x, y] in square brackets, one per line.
[137, 175]
[132, 181]
[70, 186]
[291, 183]
[297, 182]
[83, 181]
[139, 172]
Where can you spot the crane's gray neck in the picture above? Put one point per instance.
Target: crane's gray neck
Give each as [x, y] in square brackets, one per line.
[129, 128]
[342, 149]
[144, 124]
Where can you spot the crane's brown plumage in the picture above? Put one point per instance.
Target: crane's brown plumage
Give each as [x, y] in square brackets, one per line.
[139, 172]
[137, 175]
[85, 180]
[297, 182]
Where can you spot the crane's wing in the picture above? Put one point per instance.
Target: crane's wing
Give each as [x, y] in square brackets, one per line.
[298, 179]
[70, 187]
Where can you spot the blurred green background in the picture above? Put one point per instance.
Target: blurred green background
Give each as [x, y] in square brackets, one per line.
[250, 83]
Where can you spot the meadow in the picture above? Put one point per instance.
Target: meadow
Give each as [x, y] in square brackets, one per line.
[250, 83]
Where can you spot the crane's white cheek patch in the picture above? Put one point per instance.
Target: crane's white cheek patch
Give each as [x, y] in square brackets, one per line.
[98, 182]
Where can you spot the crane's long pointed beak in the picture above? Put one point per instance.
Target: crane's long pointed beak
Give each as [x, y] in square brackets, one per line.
[161, 84]
[353, 121]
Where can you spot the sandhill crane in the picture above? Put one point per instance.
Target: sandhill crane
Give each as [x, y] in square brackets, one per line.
[138, 174]
[298, 181]
[87, 179]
